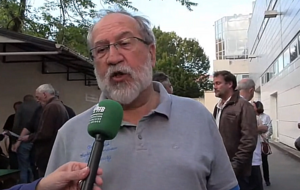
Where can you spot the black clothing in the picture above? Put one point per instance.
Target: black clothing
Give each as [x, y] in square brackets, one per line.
[265, 166]
[253, 182]
[9, 122]
[70, 111]
[13, 159]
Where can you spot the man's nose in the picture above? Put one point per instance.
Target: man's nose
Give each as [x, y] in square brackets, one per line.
[114, 56]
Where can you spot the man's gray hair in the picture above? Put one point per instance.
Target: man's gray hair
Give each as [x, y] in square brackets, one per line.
[160, 77]
[46, 88]
[246, 84]
[145, 27]
[56, 93]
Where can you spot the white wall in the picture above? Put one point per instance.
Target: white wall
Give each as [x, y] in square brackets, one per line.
[236, 66]
[287, 87]
[19, 79]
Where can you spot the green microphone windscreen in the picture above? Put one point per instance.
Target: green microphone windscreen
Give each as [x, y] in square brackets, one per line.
[106, 119]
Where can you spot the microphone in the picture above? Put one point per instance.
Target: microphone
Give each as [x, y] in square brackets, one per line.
[104, 125]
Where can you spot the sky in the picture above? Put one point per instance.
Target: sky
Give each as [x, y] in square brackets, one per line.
[199, 23]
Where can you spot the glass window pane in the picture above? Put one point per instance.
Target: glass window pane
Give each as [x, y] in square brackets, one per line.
[272, 4]
[286, 58]
[231, 35]
[293, 50]
[280, 63]
[271, 71]
[299, 44]
[275, 67]
[220, 55]
[223, 45]
[231, 47]
[245, 76]
[263, 79]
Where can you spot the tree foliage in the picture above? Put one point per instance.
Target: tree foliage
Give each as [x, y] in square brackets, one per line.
[67, 21]
[184, 61]
[68, 28]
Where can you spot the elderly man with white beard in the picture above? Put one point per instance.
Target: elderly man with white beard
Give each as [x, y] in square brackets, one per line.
[165, 141]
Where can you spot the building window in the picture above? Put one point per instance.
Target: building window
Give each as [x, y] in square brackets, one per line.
[270, 72]
[293, 50]
[272, 4]
[286, 57]
[299, 44]
[241, 76]
[280, 63]
[245, 76]
[264, 78]
[275, 67]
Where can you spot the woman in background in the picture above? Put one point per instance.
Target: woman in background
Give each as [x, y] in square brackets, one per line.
[266, 120]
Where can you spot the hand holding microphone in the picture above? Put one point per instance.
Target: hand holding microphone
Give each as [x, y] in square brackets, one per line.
[104, 125]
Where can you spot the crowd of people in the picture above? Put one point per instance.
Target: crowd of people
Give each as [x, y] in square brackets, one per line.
[165, 141]
[31, 131]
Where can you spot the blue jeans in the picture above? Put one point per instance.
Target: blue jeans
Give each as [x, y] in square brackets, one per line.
[25, 162]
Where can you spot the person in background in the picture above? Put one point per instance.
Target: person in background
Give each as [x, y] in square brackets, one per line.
[69, 110]
[8, 126]
[236, 120]
[28, 135]
[156, 125]
[266, 120]
[246, 87]
[4, 161]
[297, 141]
[53, 117]
[66, 177]
[164, 80]
[23, 149]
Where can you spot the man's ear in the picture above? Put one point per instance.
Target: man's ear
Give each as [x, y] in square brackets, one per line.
[152, 51]
[230, 84]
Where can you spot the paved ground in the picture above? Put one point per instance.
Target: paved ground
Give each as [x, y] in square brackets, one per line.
[284, 171]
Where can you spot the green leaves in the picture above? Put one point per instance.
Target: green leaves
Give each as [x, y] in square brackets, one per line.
[63, 21]
[184, 61]
[188, 4]
[128, 4]
[67, 21]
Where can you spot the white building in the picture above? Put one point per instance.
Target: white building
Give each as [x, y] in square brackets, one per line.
[273, 45]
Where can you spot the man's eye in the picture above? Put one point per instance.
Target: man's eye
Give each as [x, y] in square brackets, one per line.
[101, 49]
[124, 43]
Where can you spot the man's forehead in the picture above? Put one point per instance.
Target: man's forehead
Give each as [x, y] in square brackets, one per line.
[116, 21]
[218, 78]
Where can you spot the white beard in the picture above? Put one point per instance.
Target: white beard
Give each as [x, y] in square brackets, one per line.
[125, 92]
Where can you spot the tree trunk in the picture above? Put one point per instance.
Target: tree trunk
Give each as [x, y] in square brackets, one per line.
[18, 20]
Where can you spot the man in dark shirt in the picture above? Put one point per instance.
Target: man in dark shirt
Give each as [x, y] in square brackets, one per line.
[22, 118]
[13, 161]
[69, 110]
[28, 134]
[164, 80]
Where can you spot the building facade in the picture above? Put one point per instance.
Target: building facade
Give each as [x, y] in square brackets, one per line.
[231, 37]
[231, 33]
[273, 45]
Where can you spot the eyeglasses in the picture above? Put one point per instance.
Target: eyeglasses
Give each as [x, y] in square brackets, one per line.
[124, 44]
